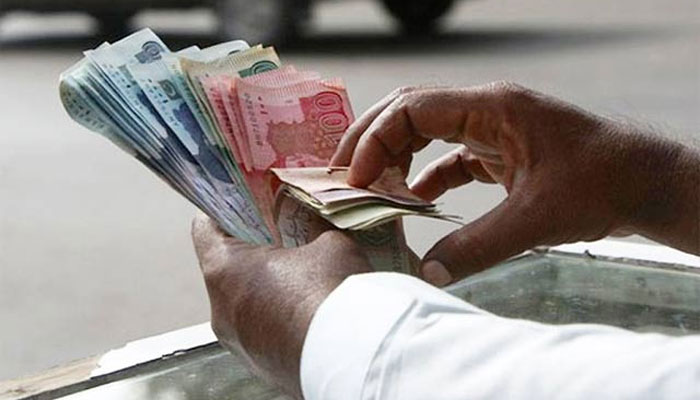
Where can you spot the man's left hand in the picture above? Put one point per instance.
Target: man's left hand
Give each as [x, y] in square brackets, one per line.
[263, 298]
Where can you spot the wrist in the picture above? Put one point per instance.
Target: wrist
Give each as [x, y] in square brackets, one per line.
[659, 187]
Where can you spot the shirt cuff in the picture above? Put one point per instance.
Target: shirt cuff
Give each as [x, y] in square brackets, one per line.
[349, 327]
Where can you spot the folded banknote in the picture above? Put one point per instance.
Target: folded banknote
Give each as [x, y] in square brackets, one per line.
[326, 192]
[212, 122]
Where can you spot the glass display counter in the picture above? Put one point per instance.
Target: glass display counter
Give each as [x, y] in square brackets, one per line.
[638, 287]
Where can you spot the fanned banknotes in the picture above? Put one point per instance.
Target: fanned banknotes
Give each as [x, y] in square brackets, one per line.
[213, 122]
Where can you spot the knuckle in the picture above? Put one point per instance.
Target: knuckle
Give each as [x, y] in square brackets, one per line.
[513, 98]
[410, 98]
[403, 90]
[509, 91]
[402, 101]
[406, 107]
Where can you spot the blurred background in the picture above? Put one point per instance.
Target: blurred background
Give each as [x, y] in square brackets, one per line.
[95, 250]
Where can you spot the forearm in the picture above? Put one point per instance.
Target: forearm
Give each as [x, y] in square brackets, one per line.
[664, 182]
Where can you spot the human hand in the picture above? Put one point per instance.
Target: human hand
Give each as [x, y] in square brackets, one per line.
[263, 298]
[570, 175]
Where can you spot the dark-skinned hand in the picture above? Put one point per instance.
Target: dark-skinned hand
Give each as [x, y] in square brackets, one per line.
[570, 175]
[263, 298]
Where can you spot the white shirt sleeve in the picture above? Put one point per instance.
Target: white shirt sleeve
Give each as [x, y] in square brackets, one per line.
[387, 336]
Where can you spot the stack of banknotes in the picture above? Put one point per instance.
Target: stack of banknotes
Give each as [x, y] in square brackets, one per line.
[213, 122]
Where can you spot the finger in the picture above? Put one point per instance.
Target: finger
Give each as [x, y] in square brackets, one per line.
[429, 114]
[210, 242]
[348, 142]
[479, 170]
[450, 171]
[507, 230]
[404, 162]
[445, 173]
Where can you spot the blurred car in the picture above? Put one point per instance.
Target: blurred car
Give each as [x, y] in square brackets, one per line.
[257, 21]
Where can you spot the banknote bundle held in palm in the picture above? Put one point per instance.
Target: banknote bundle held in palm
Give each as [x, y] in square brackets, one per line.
[212, 122]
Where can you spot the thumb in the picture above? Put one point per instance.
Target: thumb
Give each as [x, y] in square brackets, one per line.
[505, 231]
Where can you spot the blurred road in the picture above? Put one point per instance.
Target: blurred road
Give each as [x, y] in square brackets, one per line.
[95, 251]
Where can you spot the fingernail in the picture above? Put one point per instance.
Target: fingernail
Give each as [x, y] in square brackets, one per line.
[434, 272]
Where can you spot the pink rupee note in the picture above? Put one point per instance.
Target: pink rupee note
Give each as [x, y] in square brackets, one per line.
[294, 126]
[284, 76]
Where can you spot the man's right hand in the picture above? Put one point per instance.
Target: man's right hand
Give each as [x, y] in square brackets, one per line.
[570, 175]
